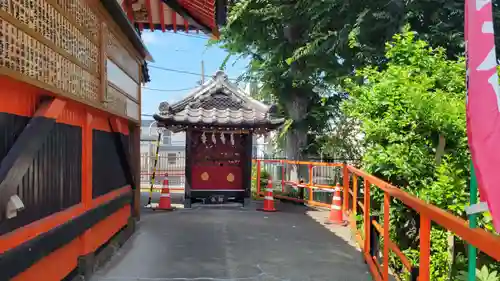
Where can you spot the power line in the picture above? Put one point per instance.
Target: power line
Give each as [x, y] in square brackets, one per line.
[177, 71]
[191, 35]
[183, 71]
[170, 90]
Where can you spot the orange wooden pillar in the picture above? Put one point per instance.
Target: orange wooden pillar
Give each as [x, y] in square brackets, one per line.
[354, 211]
[258, 177]
[310, 183]
[87, 176]
[425, 248]
[345, 189]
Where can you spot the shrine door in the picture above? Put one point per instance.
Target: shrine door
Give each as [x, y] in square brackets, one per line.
[216, 161]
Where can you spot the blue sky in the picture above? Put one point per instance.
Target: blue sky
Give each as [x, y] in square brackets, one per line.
[184, 52]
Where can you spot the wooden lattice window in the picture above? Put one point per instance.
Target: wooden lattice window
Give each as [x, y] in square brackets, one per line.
[27, 56]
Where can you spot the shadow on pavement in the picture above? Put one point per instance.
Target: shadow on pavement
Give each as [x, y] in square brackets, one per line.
[234, 244]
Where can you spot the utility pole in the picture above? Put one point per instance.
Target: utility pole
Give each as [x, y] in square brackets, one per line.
[202, 72]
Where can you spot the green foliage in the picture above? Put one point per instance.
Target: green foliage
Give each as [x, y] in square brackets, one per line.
[269, 32]
[356, 30]
[298, 49]
[482, 275]
[440, 261]
[404, 109]
[224, 62]
[264, 176]
[448, 190]
[486, 221]
[342, 140]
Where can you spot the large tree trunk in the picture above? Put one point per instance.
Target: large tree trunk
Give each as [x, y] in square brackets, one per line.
[297, 107]
[296, 138]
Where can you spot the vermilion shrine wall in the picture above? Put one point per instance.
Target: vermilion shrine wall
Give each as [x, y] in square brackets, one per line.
[219, 165]
[69, 116]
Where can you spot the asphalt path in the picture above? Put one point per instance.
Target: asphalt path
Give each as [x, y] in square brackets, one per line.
[233, 244]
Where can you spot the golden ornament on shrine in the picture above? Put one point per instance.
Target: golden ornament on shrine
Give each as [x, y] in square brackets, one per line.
[205, 176]
[230, 177]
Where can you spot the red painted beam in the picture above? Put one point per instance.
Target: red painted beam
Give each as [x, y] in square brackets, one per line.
[150, 15]
[162, 16]
[174, 19]
[128, 10]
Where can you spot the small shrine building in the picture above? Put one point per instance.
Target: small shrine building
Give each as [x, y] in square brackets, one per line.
[220, 121]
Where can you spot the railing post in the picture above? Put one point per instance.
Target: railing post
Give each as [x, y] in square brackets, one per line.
[310, 171]
[374, 239]
[354, 199]
[385, 262]
[258, 177]
[367, 221]
[282, 176]
[310, 183]
[414, 273]
[345, 190]
[425, 246]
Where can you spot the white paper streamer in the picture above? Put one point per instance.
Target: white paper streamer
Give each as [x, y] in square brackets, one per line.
[222, 138]
[203, 138]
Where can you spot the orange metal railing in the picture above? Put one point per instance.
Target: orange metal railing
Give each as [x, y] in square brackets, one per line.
[486, 242]
[308, 186]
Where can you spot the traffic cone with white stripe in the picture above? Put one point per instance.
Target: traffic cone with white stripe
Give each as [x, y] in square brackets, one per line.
[268, 198]
[336, 216]
[165, 200]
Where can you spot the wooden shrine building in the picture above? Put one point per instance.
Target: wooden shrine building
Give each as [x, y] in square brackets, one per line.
[70, 114]
[70, 110]
[220, 121]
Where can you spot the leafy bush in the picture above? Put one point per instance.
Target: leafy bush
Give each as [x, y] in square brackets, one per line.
[412, 114]
[264, 176]
[481, 275]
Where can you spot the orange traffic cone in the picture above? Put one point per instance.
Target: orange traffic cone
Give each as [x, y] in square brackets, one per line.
[336, 216]
[165, 200]
[268, 198]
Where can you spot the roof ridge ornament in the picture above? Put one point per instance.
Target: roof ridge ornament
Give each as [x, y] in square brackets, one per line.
[221, 76]
[164, 108]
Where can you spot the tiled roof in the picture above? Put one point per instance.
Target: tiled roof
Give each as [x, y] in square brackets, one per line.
[223, 117]
[218, 102]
